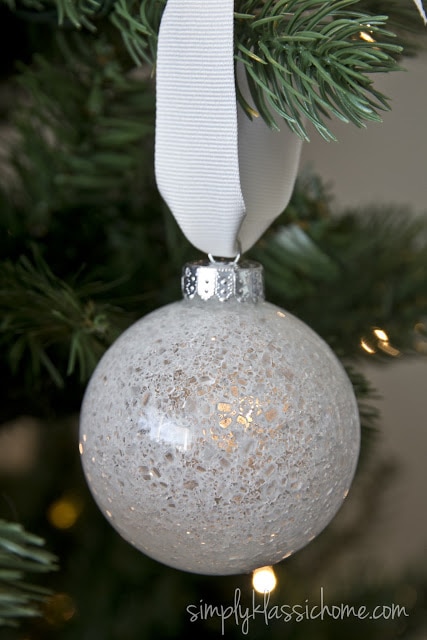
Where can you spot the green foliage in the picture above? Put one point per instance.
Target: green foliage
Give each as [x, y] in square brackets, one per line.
[78, 14]
[21, 553]
[310, 60]
[89, 140]
[304, 59]
[40, 312]
[139, 21]
[354, 261]
[89, 123]
[402, 20]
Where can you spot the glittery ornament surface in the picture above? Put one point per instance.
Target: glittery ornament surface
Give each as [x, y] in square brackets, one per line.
[218, 438]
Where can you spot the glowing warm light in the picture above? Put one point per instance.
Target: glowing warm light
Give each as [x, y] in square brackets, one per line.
[63, 513]
[420, 341]
[58, 609]
[421, 347]
[388, 349]
[264, 579]
[407, 595]
[366, 37]
[381, 335]
[366, 347]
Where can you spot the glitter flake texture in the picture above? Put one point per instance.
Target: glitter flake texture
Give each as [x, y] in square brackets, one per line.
[217, 438]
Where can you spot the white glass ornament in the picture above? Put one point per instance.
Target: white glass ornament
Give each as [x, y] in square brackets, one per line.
[219, 433]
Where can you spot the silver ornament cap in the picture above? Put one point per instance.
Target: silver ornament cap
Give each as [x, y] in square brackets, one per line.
[223, 281]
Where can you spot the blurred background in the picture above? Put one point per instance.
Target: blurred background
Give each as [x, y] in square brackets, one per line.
[87, 247]
[385, 164]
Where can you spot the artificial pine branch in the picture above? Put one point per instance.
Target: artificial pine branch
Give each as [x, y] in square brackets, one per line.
[53, 328]
[49, 326]
[138, 22]
[403, 17]
[304, 59]
[90, 120]
[318, 258]
[78, 14]
[21, 553]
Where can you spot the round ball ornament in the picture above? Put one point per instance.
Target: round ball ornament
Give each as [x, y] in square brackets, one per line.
[219, 433]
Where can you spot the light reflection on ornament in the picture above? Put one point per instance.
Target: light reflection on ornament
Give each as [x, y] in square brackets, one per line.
[264, 580]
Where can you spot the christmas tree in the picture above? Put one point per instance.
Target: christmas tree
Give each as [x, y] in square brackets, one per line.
[88, 246]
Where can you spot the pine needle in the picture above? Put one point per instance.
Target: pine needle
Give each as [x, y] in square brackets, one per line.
[305, 60]
[21, 553]
[43, 317]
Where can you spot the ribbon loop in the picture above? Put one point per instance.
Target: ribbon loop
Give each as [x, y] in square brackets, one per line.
[224, 177]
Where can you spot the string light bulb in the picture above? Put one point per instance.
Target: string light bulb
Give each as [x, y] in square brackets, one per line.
[264, 580]
[381, 335]
[64, 512]
[366, 37]
[382, 342]
[366, 347]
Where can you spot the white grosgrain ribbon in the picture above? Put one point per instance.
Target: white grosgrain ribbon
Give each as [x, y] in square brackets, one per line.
[421, 10]
[224, 177]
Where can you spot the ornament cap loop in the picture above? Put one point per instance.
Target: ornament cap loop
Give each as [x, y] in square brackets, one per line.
[223, 281]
